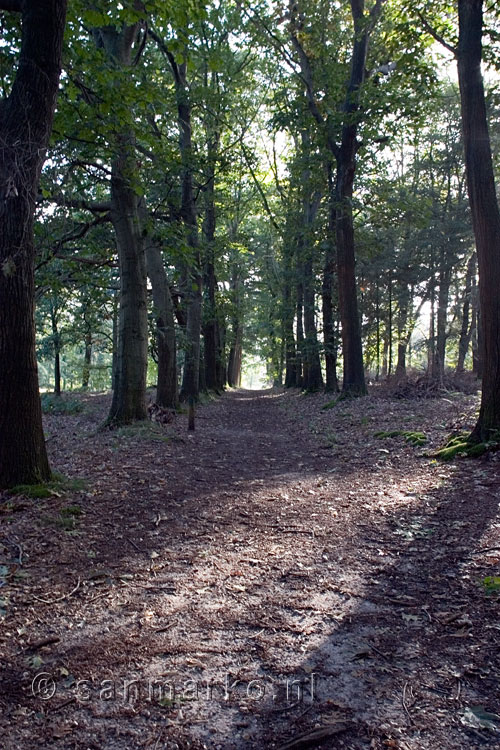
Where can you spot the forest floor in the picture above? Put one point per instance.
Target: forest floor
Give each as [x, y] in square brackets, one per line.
[280, 578]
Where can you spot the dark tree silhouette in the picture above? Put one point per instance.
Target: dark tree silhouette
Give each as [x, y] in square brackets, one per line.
[25, 124]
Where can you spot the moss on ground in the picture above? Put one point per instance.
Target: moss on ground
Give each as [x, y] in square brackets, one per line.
[411, 436]
[56, 487]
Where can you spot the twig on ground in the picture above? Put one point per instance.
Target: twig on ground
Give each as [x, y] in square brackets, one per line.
[312, 739]
[488, 549]
[135, 546]
[35, 645]
[405, 704]
[60, 598]
[377, 651]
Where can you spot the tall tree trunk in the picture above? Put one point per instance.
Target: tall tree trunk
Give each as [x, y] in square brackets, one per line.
[25, 125]
[235, 351]
[476, 338]
[354, 376]
[345, 157]
[129, 395]
[166, 385]
[221, 361]
[388, 368]
[405, 302]
[466, 326]
[211, 352]
[329, 338]
[56, 343]
[288, 335]
[431, 341]
[300, 334]
[87, 359]
[210, 332]
[385, 354]
[442, 312]
[377, 342]
[288, 318]
[313, 379]
[234, 363]
[484, 207]
[400, 371]
[114, 358]
[190, 388]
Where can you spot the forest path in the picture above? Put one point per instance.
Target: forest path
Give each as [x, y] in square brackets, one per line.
[279, 572]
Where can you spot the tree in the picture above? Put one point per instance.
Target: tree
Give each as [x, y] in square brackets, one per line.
[25, 123]
[129, 393]
[484, 207]
[343, 152]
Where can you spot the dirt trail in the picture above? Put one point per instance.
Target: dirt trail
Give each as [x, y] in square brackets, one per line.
[279, 573]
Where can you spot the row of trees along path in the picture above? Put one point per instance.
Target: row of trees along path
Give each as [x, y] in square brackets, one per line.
[150, 216]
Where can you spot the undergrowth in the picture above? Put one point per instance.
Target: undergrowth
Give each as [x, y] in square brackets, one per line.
[52, 404]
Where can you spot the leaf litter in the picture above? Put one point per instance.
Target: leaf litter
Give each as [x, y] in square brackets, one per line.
[272, 580]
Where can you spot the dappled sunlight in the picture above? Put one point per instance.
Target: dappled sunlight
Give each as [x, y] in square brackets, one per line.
[249, 580]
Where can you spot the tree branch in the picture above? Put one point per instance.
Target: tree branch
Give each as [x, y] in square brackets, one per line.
[374, 14]
[92, 206]
[307, 77]
[260, 190]
[165, 50]
[430, 30]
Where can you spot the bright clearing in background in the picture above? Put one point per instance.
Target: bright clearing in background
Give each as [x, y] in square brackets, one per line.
[253, 373]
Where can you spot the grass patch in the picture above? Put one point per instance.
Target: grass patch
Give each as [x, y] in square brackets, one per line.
[207, 397]
[143, 430]
[57, 487]
[71, 511]
[61, 405]
[330, 404]
[492, 584]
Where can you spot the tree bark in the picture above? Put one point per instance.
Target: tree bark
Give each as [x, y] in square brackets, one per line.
[288, 317]
[466, 326]
[193, 289]
[25, 124]
[114, 358]
[288, 314]
[341, 197]
[477, 352]
[87, 360]
[221, 362]
[313, 378]
[300, 334]
[235, 351]
[129, 394]
[210, 332]
[329, 338]
[354, 376]
[442, 312]
[166, 385]
[56, 343]
[484, 207]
